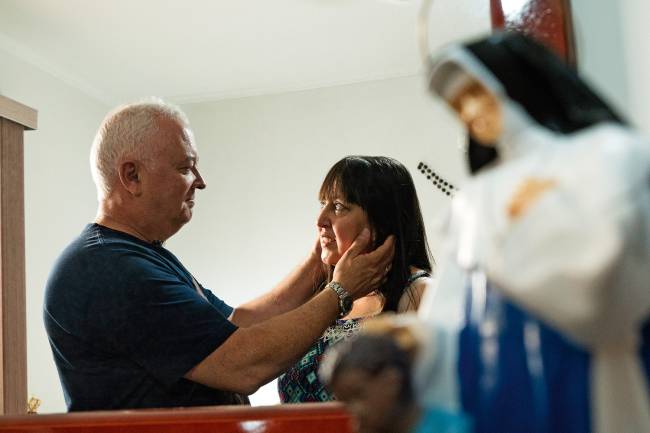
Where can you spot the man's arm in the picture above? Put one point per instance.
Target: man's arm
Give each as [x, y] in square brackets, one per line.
[252, 356]
[294, 290]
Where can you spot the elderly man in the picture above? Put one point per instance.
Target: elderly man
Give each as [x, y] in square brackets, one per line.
[129, 325]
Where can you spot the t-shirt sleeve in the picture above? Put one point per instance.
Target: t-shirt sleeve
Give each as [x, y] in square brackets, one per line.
[160, 321]
[217, 303]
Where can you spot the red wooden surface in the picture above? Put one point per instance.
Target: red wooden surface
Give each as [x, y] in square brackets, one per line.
[303, 418]
[548, 21]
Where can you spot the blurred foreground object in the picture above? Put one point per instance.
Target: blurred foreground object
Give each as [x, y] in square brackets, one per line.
[541, 313]
[372, 375]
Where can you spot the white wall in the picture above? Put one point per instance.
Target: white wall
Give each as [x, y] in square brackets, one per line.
[264, 159]
[636, 45]
[59, 196]
[613, 41]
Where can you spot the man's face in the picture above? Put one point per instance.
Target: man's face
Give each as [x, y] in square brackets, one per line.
[170, 179]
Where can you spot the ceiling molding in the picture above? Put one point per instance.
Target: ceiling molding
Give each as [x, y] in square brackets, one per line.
[278, 90]
[224, 50]
[27, 55]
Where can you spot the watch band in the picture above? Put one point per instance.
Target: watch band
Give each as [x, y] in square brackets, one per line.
[345, 300]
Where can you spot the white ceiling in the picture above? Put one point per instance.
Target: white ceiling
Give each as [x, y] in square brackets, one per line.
[197, 50]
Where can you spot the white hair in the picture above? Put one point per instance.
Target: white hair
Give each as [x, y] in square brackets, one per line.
[127, 131]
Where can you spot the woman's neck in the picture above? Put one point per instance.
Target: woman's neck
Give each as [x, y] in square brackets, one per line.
[370, 305]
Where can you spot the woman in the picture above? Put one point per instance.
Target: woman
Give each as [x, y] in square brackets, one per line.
[358, 192]
[551, 240]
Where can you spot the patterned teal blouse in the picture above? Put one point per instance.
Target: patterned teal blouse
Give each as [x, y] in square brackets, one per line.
[300, 383]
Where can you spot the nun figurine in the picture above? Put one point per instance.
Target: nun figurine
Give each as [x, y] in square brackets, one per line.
[542, 311]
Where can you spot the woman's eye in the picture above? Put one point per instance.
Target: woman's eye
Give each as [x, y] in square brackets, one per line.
[338, 207]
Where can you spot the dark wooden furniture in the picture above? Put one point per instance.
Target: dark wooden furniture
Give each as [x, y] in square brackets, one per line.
[303, 418]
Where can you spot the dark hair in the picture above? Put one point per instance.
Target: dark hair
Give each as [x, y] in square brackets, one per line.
[384, 189]
[372, 353]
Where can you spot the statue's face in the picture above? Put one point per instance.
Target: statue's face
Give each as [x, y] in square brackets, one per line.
[480, 111]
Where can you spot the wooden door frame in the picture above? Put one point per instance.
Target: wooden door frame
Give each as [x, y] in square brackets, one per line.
[15, 118]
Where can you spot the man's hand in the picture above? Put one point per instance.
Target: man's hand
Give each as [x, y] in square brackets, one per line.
[359, 273]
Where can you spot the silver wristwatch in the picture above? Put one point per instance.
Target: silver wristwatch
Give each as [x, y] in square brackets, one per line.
[345, 300]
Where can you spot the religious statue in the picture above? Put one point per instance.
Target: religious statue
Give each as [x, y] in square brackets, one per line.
[542, 310]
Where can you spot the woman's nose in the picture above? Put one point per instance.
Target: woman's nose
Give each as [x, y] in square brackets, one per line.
[323, 218]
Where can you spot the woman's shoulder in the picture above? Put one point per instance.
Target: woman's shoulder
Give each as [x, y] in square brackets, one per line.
[419, 282]
[417, 274]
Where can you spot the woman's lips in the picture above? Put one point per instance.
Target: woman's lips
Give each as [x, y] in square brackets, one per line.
[326, 240]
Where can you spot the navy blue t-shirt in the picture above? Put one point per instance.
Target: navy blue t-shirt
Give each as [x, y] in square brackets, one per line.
[126, 323]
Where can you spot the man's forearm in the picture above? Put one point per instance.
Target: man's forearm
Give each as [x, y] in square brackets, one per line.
[252, 356]
[294, 290]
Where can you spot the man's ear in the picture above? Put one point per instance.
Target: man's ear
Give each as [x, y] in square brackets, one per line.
[129, 172]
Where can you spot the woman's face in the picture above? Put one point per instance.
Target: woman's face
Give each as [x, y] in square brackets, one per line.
[480, 111]
[339, 223]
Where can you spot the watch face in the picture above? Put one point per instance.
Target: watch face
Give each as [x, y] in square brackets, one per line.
[346, 303]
